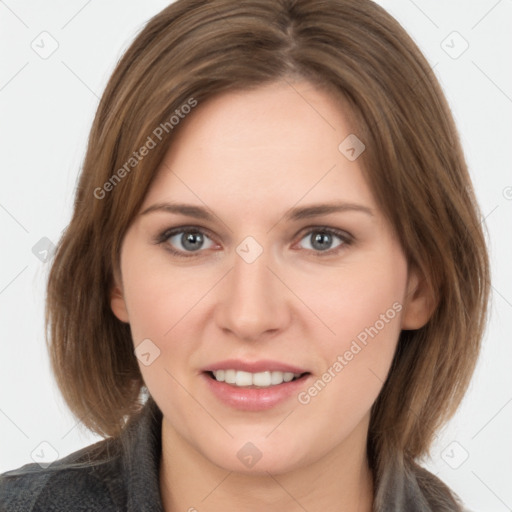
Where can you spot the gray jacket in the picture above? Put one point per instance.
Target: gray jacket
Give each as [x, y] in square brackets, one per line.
[122, 474]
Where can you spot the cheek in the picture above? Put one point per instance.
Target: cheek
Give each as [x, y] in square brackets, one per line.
[361, 303]
[362, 307]
[157, 294]
[165, 303]
[159, 298]
[352, 299]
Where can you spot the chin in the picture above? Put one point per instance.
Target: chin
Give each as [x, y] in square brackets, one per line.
[258, 456]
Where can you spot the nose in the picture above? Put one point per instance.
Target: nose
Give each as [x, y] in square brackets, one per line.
[253, 303]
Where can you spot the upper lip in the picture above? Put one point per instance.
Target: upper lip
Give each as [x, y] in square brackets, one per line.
[253, 366]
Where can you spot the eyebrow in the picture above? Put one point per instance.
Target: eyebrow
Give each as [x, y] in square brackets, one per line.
[294, 214]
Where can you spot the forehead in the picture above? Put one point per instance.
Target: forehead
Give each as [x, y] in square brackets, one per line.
[269, 147]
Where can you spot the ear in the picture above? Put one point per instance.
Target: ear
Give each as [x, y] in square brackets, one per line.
[117, 300]
[419, 302]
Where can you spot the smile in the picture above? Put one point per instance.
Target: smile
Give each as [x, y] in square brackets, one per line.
[262, 379]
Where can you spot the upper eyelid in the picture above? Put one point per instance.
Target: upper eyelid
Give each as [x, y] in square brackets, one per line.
[181, 229]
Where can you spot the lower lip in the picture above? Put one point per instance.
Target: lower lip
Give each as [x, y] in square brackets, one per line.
[254, 399]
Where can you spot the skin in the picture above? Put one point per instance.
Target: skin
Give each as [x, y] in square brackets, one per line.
[249, 157]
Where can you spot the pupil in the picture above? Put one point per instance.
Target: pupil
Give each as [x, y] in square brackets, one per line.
[322, 238]
[189, 239]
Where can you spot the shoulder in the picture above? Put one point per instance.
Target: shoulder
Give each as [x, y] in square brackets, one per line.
[439, 496]
[116, 474]
[403, 484]
[87, 479]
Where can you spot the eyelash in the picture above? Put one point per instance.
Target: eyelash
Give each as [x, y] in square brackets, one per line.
[164, 236]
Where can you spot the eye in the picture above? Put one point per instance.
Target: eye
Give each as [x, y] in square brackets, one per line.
[320, 240]
[183, 240]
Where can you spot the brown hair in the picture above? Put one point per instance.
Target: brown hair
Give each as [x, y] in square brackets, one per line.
[195, 49]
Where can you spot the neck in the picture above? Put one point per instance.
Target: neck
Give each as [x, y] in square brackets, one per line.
[340, 480]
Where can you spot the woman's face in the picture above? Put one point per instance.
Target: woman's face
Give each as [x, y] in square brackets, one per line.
[284, 267]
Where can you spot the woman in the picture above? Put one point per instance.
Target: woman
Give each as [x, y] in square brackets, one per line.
[273, 288]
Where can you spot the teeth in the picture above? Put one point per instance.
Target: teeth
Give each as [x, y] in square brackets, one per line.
[229, 376]
[260, 379]
[243, 379]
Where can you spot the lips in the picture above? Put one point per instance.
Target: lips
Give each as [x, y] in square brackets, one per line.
[254, 386]
[255, 366]
[263, 373]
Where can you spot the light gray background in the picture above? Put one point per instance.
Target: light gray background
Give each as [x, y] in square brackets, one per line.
[47, 106]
